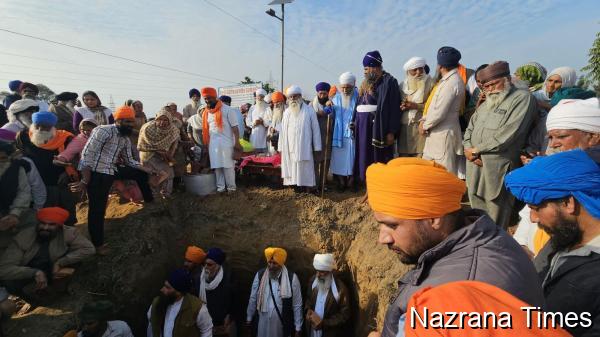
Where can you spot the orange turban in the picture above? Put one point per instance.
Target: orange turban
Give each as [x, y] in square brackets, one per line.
[332, 91]
[472, 297]
[53, 215]
[195, 254]
[208, 92]
[413, 188]
[277, 97]
[124, 112]
[278, 255]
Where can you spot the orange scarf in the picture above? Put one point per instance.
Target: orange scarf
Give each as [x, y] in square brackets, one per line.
[58, 144]
[218, 119]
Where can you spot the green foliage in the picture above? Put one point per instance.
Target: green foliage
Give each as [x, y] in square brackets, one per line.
[593, 68]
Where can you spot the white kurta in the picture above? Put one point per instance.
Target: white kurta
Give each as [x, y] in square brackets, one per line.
[203, 320]
[220, 147]
[299, 137]
[258, 137]
[269, 324]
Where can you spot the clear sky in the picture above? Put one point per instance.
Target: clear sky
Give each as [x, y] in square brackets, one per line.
[325, 38]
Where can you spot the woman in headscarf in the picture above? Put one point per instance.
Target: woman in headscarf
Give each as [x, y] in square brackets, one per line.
[561, 77]
[92, 109]
[157, 143]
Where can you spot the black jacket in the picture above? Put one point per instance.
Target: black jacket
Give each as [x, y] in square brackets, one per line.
[574, 287]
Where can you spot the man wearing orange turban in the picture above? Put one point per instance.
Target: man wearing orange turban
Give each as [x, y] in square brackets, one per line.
[473, 297]
[107, 145]
[279, 106]
[220, 136]
[193, 262]
[276, 291]
[43, 252]
[418, 205]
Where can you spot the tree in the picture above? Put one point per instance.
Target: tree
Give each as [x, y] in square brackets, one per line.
[593, 67]
[45, 93]
[266, 86]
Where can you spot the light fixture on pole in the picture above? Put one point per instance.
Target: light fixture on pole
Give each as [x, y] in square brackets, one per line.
[272, 13]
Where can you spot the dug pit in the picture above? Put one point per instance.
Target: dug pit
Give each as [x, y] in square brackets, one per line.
[148, 242]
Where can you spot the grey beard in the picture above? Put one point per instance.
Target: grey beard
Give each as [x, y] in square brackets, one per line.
[346, 101]
[494, 100]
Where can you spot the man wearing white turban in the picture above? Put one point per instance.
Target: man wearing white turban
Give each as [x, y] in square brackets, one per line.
[342, 107]
[259, 120]
[299, 138]
[414, 92]
[327, 304]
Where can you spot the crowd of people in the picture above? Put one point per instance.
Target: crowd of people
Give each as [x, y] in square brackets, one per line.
[522, 147]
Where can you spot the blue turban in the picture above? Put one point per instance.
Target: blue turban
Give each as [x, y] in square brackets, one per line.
[558, 176]
[448, 57]
[193, 92]
[323, 86]
[216, 254]
[225, 98]
[44, 118]
[14, 85]
[180, 280]
[372, 59]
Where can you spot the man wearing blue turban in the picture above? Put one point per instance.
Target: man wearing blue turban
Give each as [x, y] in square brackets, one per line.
[377, 119]
[563, 192]
[14, 96]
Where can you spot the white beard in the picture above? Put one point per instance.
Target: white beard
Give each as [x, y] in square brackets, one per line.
[324, 285]
[260, 104]
[277, 114]
[346, 100]
[416, 83]
[495, 99]
[295, 106]
[39, 137]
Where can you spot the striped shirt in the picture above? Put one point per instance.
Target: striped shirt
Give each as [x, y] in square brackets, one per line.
[105, 148]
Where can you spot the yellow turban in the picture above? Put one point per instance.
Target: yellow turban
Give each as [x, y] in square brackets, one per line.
[195, 254]
[278, 255]
[413, 188]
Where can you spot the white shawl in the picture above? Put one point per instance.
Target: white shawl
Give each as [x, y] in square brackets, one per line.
[212, 285]
[264, 293]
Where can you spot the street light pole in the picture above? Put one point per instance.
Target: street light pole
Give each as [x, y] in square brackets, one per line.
[272, 13]
[282, 40]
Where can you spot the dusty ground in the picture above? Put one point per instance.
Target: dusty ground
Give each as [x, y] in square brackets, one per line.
[147, 242]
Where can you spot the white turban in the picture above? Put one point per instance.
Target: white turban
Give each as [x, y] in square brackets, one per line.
[567, 74]
[324, 262]
[347, 78]
[575, 114]
[261, 92]
[293, 90]
[268, 98]
[414, 63]
[22, 105]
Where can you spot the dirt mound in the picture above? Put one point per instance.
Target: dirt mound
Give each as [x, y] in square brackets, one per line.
[148, 242]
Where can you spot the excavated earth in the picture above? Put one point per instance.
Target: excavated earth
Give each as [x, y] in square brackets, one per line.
[146, 242]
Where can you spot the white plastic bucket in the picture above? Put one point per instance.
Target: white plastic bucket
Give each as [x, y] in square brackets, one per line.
[200, 184]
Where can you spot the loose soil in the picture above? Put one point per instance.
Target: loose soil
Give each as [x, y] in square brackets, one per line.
[147, 242]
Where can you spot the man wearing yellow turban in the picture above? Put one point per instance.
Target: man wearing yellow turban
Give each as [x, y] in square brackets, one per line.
[418, 205]
[277, 297]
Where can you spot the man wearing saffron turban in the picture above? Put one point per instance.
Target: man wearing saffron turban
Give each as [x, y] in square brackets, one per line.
[277, 297]
[43, 253]
[220, 136]
[418, 205]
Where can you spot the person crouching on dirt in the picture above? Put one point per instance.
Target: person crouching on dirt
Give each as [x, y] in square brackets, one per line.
[176, 312]
[43, 253]
[193, 263]
[94, 320]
